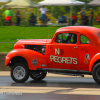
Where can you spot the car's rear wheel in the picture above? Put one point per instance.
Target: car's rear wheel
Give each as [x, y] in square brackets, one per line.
[19, 73]
[96, 73]
[38, 75]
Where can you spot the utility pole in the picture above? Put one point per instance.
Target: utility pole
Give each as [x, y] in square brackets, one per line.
[86, 1]
[85, 4]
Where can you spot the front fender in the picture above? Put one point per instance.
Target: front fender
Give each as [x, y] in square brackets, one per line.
[93, 60]
[34, 59]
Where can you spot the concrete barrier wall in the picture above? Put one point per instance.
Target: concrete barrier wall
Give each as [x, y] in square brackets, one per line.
[2, 62]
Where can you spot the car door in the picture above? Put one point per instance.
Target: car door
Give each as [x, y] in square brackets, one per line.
[86, 52]
[64, 53]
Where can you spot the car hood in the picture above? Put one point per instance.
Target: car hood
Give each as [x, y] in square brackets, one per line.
[34, 41]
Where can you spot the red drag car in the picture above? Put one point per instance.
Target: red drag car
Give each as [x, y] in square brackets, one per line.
[73, 50]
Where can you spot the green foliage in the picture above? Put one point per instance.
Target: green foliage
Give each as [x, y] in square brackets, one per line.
[36, 1]
[86, 1]
[54, 12]
[59, 10]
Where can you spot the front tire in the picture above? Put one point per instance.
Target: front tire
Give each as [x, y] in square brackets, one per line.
[38, 75]
[19, 73]
[96, 73]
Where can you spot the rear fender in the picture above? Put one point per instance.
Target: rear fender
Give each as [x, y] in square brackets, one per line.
[34, 59]
[93, 61]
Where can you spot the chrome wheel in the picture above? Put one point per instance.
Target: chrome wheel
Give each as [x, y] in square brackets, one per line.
[19, 72]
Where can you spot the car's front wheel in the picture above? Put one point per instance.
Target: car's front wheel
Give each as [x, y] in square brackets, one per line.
[96, 73]
[38, 75]
[19, 73]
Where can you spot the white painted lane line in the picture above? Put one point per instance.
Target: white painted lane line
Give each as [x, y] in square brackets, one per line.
[30, 89]
[52, 90]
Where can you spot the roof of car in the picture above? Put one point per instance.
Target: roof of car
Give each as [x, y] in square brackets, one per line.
[90, 32]
[80, 29]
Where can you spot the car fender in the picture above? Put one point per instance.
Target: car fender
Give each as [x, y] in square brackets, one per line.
[34, 59]
[93, 60]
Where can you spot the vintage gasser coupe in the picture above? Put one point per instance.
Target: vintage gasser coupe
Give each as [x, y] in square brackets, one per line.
[73, 50]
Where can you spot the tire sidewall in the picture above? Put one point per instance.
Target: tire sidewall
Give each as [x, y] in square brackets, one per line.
[94, 73]
[26, 73]
[38, 78]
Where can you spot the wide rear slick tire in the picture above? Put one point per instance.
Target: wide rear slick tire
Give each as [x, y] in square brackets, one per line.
[96, 73]
[38, 75]
[19, 73]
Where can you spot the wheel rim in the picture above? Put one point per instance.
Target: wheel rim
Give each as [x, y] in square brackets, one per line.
[19, 72]
[98, 73]
[37, 74]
